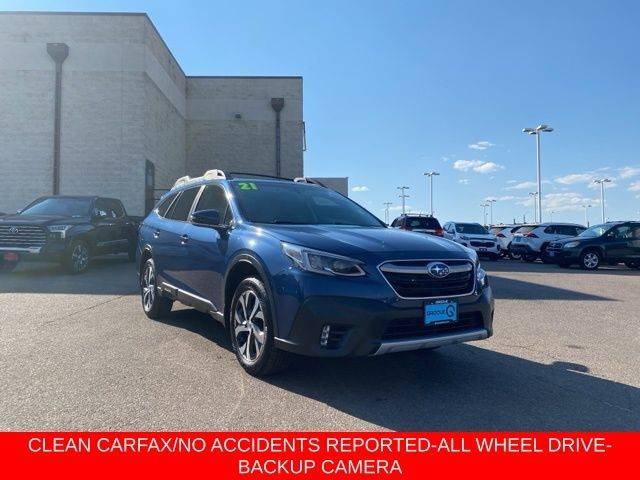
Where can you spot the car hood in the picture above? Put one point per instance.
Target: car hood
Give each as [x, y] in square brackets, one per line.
[363, 242]
[40, 220]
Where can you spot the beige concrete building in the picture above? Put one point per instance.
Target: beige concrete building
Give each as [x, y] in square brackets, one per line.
[97, 104]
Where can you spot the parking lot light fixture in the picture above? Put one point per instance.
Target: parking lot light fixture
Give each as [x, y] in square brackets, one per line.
[386, 211]
[586, 214]
[537, 131]
[403, 196]
[431, 175]
[490, 202]
[602, 181]
[535, 206]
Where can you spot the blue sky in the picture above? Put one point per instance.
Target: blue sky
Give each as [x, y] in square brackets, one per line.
[394, 89]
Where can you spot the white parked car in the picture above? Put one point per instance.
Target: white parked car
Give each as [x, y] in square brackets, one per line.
[504, 234]
[531, 241]
[475, 236]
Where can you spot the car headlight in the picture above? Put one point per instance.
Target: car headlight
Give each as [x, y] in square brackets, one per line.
[60, 230]
[482, 278]
[322, 262]
[571, 244]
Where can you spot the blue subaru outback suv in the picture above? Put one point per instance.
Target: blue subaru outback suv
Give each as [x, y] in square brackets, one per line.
[294, 267]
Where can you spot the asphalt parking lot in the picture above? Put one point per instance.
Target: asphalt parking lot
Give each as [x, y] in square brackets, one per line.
[76, 352]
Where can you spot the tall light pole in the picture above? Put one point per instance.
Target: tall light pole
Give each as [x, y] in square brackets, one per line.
[535, 206]
[386, 211]
[586, 214]
[537, 132]
[551, 215]
[431, 175]
[484, 213]
[403, 197]
[602, 181]
[491, 201]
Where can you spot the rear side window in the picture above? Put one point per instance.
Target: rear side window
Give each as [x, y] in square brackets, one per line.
[214, 198]
[423, 222]
[182, 206]
[116, 208]
[527, 229]
[165, 204]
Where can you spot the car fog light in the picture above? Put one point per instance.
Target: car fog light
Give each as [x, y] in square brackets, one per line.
[324, 336]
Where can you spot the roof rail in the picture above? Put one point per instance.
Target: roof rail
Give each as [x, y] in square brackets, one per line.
[308, 180]
[208, 175]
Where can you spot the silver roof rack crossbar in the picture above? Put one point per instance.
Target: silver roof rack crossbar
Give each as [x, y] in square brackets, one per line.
[208, 175]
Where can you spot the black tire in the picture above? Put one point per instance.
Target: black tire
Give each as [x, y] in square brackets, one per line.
[248, 322]
[590, 260]
[543, 255]
[529, 258]
[7, 267]
[77, 257]
[512, 255]
[154, 305]
[633, 265]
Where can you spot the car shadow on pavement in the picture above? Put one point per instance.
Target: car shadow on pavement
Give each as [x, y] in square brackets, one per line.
[112, 275]
[464, 387]
[518, 266]
[198, 323]
[511, 289]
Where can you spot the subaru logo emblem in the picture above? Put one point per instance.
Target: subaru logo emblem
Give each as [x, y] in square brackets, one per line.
[14, 230]
[438, 269]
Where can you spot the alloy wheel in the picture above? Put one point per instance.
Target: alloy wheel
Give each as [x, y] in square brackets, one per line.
[591, 260]
[80, 257]
[249, 326]
[148, 288]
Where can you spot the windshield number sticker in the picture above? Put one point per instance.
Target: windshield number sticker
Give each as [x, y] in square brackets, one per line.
[247, 186]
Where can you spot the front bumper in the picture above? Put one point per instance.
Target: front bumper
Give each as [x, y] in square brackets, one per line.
[361, 326]
[564, 255]
[523, 249]
[49, 252]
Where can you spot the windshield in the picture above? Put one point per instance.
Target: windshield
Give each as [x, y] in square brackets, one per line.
[595, 231]
[472, 228]
[67, 207]
[423, 222]
[298, 204]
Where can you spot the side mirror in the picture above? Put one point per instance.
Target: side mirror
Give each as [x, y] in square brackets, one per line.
[206, 218]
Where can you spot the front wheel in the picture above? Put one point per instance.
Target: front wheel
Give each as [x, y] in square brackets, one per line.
[251, 330]
[155, 306]
[590, 260]
[512, 254]
[77, 257]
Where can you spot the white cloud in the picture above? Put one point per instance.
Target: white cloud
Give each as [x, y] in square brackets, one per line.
[522, 186]
[360, 188]
[464, 181]
[635, 186]
[576, 178]
[481, 145]
[565, 201]
[477, 166]
[628, 172]
[512, 181]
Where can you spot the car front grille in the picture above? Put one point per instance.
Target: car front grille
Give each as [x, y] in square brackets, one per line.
[554, 246]
[22, 236]
[415, 327]
[410, 279]
[476, 243]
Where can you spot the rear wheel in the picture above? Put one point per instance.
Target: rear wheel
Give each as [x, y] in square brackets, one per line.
[590, 260]
[529, 258]
[512, 254]
[155, 306]
[251, 330]
[77, 257]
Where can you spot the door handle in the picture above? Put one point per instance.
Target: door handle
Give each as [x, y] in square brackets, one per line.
[184, 238]
[156, 234]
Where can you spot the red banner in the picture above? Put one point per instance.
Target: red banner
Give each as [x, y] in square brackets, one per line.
[316, 455]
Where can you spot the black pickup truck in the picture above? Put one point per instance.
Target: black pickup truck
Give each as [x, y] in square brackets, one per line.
[67, 229]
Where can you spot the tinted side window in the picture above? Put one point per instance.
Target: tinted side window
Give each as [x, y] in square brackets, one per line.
[165, 204]
[116, 208]
[182, 206]
[552, 229]
[101, 209]
[215, 198]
